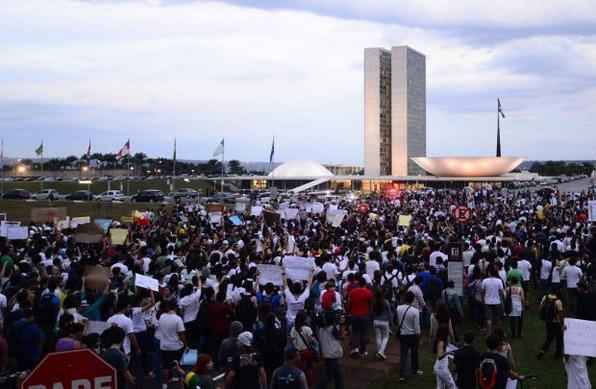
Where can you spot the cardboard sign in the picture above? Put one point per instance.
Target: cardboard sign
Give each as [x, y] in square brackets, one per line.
[270, 273]
[76, 221]
[119, 235]
[146, 282]
[257, 211]
[579, 338]
[298, 268]
[405, 220]
[215, 207]
[271, 218]
[47, 215]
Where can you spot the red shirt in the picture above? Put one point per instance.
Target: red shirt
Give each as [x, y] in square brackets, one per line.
[360, 299]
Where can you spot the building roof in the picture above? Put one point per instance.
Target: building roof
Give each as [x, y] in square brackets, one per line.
[299, 169]
[468, 166]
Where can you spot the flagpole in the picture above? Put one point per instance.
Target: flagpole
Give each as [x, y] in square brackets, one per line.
[174, 169]
[2, 152]
[498, 130]
[128, 181]
[41, 165]
[223, 166]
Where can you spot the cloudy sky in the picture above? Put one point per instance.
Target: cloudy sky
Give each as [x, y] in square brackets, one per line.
[248, 70]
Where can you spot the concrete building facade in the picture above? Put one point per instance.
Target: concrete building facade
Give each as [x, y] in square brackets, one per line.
[394, 111]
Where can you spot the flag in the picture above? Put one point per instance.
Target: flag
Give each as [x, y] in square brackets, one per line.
[39, 150]
[88, 154]
[124, 151]
[272, 151]
[500, 109]
[220, 149]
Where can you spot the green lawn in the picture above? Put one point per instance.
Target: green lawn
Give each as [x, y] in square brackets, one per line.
[549, 371]
[99, 187]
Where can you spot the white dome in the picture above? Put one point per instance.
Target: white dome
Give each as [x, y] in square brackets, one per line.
[300, 169]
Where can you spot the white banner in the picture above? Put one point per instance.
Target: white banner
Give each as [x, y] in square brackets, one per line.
[76, 221]
[270, 273]
[4, 227]
[17, 233]
[579, 338]
[289, 213]
[298, 268]
[146, 282]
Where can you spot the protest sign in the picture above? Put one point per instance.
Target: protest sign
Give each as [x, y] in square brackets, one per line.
[455, 269]
[298, 268]
[63, 224]
[290, 213]
[127, 219]
[146, 282]
[241, 205]
[235, 220]
[118, 235]
[257, 210]
[17, 233]
[4, 227]
[271, 217]
[215, 207]
[270, 273]
[76, 221]
[215, 217]
[335, 217]
[579, 338]
[405, 220]
[104, 224]
[592, 211]
[47, 215]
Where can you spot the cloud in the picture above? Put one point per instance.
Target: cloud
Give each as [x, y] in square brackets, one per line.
[203, 70]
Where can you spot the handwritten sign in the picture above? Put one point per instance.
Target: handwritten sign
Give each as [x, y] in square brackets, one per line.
[298, 268]
[146, 282]
[75, 221]
[405, 220]
[270, 273]
[119, 235]
[579, 337]
[17, 233]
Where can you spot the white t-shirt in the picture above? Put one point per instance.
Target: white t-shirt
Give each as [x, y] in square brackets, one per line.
[138, 320]
[295, 304]
[3, 306]
[524, 267]
[573, 275]
[372, 267]
[492, 288]
[545, 269]
[433, 258]
[125, 323]
[330, 270]
[168, 328]
[190, 306]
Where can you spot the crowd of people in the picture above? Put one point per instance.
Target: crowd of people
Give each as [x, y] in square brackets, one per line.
[371, 276]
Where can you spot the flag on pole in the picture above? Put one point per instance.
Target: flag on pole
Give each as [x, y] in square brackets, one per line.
[219, 150]
[124, 151]
[272, 151]
[39, 150]
[500, 109]
[88, 154]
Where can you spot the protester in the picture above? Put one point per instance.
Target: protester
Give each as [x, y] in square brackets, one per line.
[467, 362]
[289, 376]
[408, 317]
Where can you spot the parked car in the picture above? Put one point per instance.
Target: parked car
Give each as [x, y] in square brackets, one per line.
[46, 194]
[111, 195]
[17, 194]
[148, 196]
[185, 193]
[81, 195]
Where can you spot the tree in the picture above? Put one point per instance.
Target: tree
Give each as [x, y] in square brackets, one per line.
[235, 168]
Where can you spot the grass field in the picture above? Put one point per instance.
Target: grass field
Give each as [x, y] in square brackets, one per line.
[98, 187]
[550, 372]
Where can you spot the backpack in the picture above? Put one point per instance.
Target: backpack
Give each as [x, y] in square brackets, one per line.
[47, 310]
[286, 378]
[548, 310]
[387, 287]
[246, 312]
[487, 374]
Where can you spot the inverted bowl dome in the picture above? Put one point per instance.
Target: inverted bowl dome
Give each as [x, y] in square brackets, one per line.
[468, 166]
[299, 169]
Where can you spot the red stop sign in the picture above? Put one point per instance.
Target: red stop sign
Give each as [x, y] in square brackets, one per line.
[79, 369]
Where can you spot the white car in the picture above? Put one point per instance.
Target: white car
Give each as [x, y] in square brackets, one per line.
[111, 195]
[46, 194]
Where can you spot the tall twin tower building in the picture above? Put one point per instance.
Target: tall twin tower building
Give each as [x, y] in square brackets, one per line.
[394, 111]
